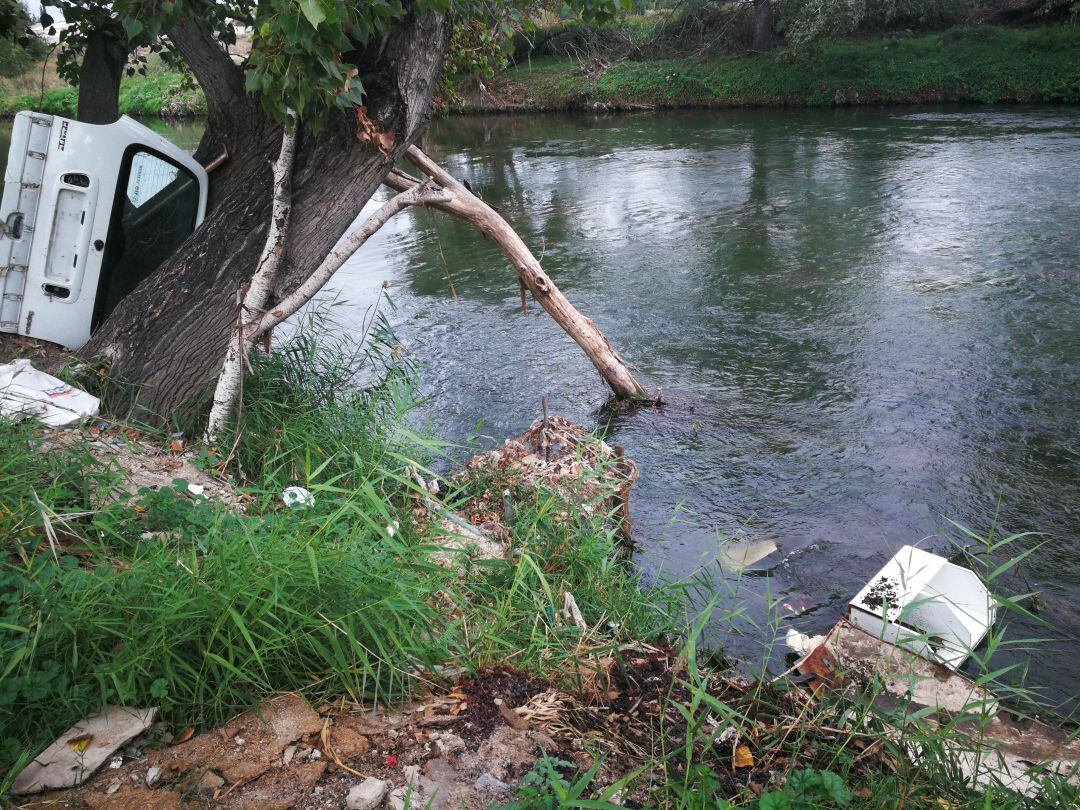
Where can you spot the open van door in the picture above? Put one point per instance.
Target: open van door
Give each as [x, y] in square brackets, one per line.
[88, 212]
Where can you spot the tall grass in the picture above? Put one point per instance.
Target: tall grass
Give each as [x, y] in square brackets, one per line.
[163, 598]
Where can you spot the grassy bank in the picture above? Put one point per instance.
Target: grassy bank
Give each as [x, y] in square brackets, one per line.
[984, 65]
[159, 94]
[166, 597]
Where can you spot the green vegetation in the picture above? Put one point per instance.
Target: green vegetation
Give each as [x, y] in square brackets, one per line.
[984, 65]
[160, 93]
[167, 598]
[170, 599]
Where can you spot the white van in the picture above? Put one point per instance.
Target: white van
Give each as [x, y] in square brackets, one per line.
[88, 212]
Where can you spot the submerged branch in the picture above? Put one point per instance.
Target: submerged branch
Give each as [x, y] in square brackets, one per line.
[465, 205]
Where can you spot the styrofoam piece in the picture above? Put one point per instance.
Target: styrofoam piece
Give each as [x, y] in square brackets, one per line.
[25, 391]
[935, 608]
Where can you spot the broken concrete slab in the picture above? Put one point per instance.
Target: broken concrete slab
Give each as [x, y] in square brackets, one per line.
[988, 744]
[82, 749]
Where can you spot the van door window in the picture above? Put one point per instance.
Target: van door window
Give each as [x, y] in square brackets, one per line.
[155, 209]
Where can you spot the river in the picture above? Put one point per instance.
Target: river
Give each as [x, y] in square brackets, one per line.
[864, 323]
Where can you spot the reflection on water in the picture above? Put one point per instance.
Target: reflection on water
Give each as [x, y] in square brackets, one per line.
[864, 323]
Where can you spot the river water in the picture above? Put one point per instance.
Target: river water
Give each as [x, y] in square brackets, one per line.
[864, 322]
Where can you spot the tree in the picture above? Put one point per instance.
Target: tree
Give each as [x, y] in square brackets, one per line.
[321, 59]
[18, 45]
[764, 35]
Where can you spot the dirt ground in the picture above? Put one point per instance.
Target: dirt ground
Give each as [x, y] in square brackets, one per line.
[45, 356]
[466, 746]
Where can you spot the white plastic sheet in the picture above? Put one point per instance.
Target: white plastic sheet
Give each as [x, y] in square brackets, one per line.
[27, 392]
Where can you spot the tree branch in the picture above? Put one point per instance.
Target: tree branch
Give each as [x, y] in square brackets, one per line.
[258, 289]
[465, 205]
[228, 104]
[419, 194]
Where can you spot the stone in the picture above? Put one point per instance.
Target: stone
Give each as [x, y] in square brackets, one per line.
[210, 781]
[368, 795]
[152, 776]
[396, 799]
[488, 782]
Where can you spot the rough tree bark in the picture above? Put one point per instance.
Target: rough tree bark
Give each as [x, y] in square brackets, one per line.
[258, 289]
[466, 205]
[167, 338]
[99, 78]
[764, 35]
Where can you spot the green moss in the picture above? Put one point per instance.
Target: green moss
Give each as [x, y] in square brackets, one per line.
[983, 65]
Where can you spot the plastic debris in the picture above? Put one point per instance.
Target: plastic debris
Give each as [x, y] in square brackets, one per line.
[297, 496]
[27, 392]
[82, 749]
[935, 608]
[802, 643]
[572, 612]
[738, 555]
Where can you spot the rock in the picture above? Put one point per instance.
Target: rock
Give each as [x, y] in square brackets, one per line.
[396, 799]
[446, 744]
[82, 749]
[210, 781]
[368, 795]
[152, 776]
[488, 782]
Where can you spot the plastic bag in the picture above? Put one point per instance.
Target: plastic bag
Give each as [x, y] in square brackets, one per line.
[27, 392]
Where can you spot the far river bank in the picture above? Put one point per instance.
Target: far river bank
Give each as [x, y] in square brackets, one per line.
[985, 65]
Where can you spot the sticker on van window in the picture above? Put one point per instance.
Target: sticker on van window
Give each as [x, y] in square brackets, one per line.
[149, 175]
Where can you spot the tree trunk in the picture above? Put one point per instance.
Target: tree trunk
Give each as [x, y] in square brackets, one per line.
[99, 77]
[167, 338]
[764, 36]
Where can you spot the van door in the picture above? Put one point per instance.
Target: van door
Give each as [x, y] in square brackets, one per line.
[110, 204]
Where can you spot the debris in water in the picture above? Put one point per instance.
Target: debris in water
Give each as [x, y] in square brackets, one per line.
[738, 555]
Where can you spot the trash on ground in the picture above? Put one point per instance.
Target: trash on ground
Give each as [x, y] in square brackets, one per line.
[923, 602]
[82, 749]
[144, 466]
[989, 744]
[27, 392]
[572, 613]
[297, 496]
[555, 454]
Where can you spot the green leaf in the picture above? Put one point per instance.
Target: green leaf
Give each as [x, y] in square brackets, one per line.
[774, 801]
[314, 12]
[159, 689]
[132, 27]
[834, 786]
